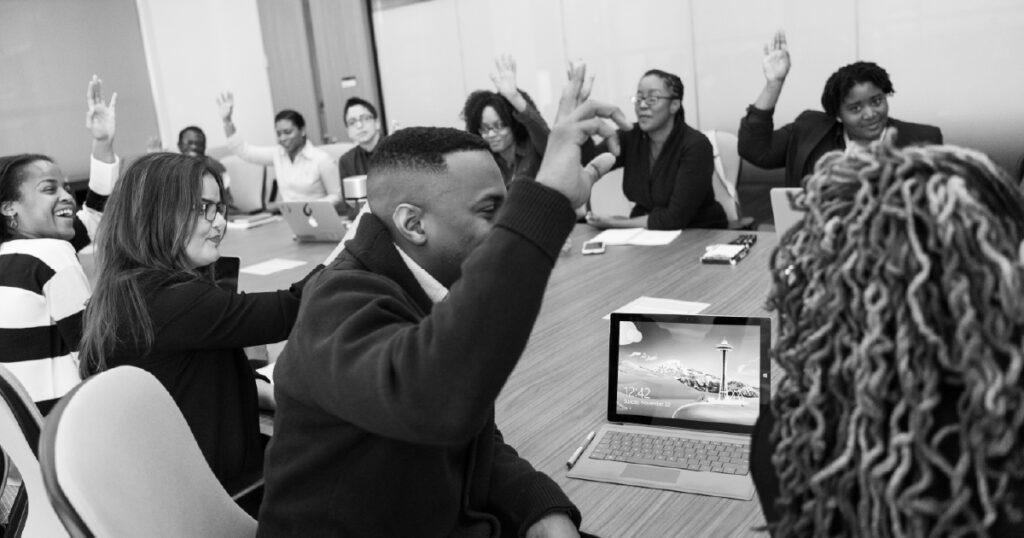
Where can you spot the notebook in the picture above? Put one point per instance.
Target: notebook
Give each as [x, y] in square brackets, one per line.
[314, 220]
[782, 209]
[664, 384]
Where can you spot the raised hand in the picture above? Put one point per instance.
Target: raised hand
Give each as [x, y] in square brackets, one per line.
[226, 104]
[100, 116]
[505, 79]
[577, 120]
[776, 58]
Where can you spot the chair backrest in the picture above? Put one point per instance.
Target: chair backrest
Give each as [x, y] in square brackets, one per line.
[727, 171]
[20, 427]
[607, 198]
[247, 183]
[119, 460]
[337, 149]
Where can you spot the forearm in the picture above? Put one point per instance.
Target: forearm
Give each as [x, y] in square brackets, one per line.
[769, 96]
[103, 150]
[229, 128]
[536, 128]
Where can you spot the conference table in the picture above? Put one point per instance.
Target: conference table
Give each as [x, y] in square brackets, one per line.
[557, 393]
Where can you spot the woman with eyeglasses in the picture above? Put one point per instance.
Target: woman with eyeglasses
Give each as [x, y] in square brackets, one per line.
[304, 172]
[509, 122]
[856, 104]
[158, 306]
[667, 165]
[43, 288]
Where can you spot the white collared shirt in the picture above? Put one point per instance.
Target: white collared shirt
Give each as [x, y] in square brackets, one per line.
[434, 289]
[313, 175]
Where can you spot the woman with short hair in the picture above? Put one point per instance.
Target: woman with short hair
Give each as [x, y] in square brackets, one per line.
[667, 164]
[509, 122]
[304, 172]
[856, 112]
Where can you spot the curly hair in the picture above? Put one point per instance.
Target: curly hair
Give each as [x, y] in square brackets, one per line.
[900, 301]
[481, 99]
[848, 76]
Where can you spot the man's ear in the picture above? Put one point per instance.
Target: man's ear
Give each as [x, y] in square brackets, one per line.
[407, 220]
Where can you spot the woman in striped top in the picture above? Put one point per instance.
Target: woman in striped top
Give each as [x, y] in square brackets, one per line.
[43, 288]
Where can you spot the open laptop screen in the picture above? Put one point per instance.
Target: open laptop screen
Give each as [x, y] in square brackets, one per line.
[669, 370]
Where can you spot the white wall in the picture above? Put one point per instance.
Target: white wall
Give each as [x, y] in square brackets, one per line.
[954, 63]
[196, 49]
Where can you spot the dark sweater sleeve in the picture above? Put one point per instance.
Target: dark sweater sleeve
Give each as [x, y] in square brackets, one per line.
[691, 187]
[759, 143]
[429, 380]
[536, 127]
[520, 494]
[201, 315]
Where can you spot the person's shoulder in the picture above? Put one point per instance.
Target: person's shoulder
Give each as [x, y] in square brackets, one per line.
[912, 133]
[55, 253]
[813, 116]
[693, 139]
[316, 154]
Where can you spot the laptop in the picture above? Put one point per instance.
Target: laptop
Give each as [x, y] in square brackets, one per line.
[314, 221]
[782, 208]
[665, 384]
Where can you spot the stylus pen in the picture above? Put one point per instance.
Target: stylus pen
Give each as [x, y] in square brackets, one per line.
[579, 451]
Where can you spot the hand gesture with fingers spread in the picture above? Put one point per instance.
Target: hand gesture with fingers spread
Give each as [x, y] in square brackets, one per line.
[505, 81]
[226, 104]
[100, 116]
[576, 121]
[776, 58]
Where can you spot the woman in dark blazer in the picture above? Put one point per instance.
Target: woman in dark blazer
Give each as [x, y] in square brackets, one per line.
[856, 106]
[668, 165]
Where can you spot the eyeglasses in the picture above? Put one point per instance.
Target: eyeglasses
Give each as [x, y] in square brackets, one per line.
[210, 209]
[489, 130]
[651, 99]
[361, 120]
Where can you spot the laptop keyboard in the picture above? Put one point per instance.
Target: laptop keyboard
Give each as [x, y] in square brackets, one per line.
[674, 452]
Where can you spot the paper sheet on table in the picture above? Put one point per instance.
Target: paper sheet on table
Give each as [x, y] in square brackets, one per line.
[637, 236]
[272, 266]
[655, 305]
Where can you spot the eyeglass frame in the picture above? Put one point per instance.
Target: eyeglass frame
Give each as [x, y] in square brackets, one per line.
[484, 130]
[219, 207]
[362, 119]
[651, 100]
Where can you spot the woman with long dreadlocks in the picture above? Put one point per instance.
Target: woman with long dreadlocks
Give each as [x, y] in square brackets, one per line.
[900, 300]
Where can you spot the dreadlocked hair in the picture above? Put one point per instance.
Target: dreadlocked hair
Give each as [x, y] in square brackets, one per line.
[901, 335]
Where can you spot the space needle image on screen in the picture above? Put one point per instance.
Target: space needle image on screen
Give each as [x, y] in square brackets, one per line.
[699, 372]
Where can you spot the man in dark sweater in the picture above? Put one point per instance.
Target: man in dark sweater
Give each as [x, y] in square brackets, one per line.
[385, 391]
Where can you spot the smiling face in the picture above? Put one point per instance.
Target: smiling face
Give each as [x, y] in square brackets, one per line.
[203, 246]
[659, 113]
[363, 127]
[864, 112]
[290, 136]
[192, 143]
[44, 208]
[493, 130]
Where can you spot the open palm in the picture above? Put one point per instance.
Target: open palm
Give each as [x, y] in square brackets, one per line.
[776, 58]
[100, 118]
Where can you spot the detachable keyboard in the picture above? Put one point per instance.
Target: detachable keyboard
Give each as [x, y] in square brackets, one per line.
[674, 452]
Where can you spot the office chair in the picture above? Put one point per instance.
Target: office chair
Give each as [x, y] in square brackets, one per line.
[119, 459]
[20, 427]
[726, 177]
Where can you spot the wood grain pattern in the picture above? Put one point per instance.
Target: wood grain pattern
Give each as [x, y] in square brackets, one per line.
[557, 392]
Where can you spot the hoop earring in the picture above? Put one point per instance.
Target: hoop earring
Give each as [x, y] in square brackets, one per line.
[14, 221]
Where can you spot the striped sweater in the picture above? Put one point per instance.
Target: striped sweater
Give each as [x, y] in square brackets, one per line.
[43, 290]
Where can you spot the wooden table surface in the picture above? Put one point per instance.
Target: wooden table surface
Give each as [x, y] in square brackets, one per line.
[557, 392]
